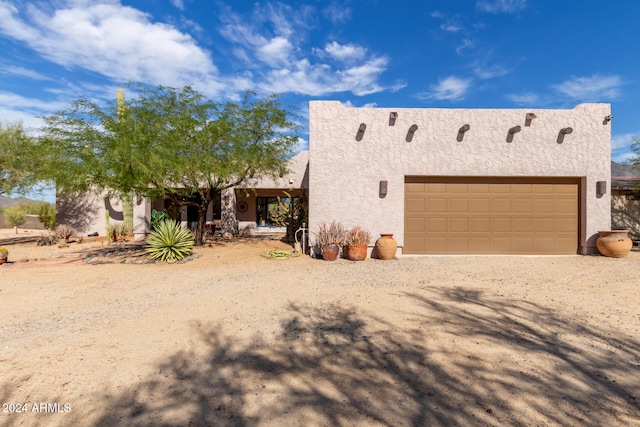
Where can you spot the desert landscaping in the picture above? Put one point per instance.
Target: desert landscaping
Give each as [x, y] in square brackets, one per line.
[231, 338]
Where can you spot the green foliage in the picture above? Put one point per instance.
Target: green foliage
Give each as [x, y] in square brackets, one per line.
[47, 215]
[167, 142]
[4, 253]
[19, 159]
[170, 242]
[157, 217]
[15, 215]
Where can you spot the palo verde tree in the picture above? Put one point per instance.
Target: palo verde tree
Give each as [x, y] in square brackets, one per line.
[169, 143]
[18, 159]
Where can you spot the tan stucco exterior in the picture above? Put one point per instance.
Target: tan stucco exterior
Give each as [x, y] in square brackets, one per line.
[346, 165]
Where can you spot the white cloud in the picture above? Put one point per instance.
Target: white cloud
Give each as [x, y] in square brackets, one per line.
[17, 108]
[337, 13]
[491, 72]
[501, 6]
[524, 99]
[594, 88]
[466, 43]
[345, 53]
[449, 89]
[623, 141]
[265, 40]
[178, 3]
[116, 41]
[23, 72]
[275, 51]
[451, 26]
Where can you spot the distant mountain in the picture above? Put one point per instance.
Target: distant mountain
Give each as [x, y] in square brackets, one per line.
[627, 171]
[7, 202]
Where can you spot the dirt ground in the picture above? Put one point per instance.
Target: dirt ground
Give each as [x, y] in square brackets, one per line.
[234, 339]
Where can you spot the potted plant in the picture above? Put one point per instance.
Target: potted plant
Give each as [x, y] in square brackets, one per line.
[357, 240]
[4, 254]
[329, 238]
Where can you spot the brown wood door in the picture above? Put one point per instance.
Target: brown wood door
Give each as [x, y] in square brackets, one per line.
[491, 216]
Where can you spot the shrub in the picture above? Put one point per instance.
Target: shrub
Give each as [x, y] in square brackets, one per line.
[15, 216]
[64, 232]
[170, 242]
[331, 235]
[157, 217]
[47, 215]
[4, 253]
[358, 236]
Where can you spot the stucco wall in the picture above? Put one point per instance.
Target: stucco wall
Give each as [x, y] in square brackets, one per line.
[86, 213]
[345, 168]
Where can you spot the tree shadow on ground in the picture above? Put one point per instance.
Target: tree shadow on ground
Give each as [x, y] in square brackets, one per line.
[496, 362]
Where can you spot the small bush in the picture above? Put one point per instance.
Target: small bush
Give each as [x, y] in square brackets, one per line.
[157, 217]
[15, 215]
[47, 215]
[170, 242]
[4, 253]
[64, 232]
[358, 236]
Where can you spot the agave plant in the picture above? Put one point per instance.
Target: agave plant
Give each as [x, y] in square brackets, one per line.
[170, 242]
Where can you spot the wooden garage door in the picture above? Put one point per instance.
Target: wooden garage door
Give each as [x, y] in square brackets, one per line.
[491, 216]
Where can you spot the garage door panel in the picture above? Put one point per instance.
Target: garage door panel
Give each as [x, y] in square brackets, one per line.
[502, 225]
[480, 225]
[415, 204]
[457, 225]
[492, 216]
[437, 205]
[501, 205]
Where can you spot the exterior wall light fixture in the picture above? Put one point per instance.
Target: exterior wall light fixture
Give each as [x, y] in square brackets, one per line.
[601, 188]
[608, 118]
[382, 191]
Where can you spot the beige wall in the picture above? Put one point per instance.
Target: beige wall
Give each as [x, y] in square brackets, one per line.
[86, 213]
[344, 172]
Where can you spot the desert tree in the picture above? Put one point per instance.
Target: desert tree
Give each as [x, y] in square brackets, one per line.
[19, 158]
[169, 143]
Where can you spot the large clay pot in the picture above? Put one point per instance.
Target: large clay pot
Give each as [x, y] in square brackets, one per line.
[614, 243]
[330, 253]
[357, 252]
[386, 247]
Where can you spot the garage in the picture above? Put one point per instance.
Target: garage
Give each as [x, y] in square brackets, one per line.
[477, 215]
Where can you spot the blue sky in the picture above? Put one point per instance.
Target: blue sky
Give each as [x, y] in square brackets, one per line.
[366, 53]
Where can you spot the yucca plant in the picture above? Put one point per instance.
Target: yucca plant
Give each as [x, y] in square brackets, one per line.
[170, 242]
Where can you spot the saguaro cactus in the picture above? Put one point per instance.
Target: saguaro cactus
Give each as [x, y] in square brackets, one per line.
[127, 199]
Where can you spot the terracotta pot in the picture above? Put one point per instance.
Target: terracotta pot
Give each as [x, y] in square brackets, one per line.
[386, 247]
[2, 261]
[614, 243]
[357, 252]
[330, 253]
